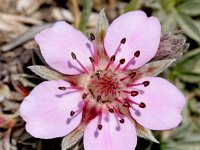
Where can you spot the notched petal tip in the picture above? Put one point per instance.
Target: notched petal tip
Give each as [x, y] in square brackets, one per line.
[137, 28]
[56, 44]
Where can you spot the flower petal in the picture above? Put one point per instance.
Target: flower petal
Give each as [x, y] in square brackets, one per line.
[57, 43]
[47, 110]
[111, 137]
[141, 32]
[164, 103]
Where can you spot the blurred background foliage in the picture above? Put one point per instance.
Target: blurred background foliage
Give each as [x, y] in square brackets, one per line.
[20, 19]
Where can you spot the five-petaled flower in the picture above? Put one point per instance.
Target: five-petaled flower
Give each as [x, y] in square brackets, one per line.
[103, 91]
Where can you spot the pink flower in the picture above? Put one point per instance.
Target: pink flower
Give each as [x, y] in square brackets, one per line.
[105, 91]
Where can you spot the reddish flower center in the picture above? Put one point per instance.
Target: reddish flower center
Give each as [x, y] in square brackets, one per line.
[104, 86]
[107, 88]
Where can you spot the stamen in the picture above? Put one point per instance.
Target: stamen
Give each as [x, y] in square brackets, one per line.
[136, 54]
[84, 96]
[130, 75]
[121, 120]
[62, 88]
[72, 113]
[112, 59]
[98, 98]
[141, 104]
[92, 37]
[74, 57]
[145, 84]
[126, 104]
[123, 41]
[121, 62]
[92, 61]
[83, 105]
[134, 93]
[110, 109]
[100, 126]
[100, 120]
[118, 100]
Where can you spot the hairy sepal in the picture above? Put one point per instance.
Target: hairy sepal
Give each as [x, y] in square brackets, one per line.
[72, 138]
[145, 133]
[45, 73]
[154, 68]
[101, 27]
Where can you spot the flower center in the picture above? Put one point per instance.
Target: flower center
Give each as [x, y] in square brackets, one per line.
[108, 89]
[104, 86]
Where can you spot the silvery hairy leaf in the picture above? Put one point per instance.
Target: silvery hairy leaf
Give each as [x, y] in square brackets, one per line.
[154, 68]
[101, 26]
[45, 73]
[145, 133]
[72, 138]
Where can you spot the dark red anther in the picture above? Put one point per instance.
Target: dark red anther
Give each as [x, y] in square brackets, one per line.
[84, 96]
[146, 83]
[100, 126]
[111, 110]
[126, 104]
[121, 121]
[142, 105]
[72, 113]
[112, 58]
[137, 54]
[123, 41]
[62, 88]
[91, 59]
[92, 37]
[122, 61]
[132, 75]
[134, 93]
[73, 55]
[98, 98]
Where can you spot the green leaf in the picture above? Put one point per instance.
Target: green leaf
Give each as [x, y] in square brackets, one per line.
[189, 27]
[170, 23]
[190, 7]
[87, 7]
[167, 5]
[190, 77]
[132, 5]
[189, 61]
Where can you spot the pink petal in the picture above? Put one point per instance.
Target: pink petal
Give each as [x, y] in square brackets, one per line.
[141, 32]
[164, 103]
[57, 43]
[47, 110]
[111, 137]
